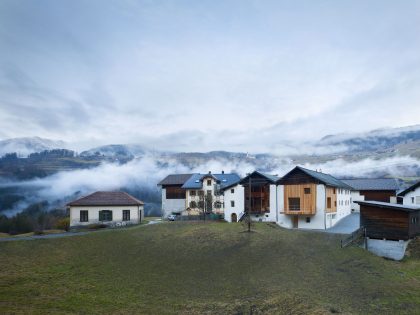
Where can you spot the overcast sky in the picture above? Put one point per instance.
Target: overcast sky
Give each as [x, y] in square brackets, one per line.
[207, 75]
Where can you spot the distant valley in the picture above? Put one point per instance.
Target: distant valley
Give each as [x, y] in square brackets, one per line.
[49, 173]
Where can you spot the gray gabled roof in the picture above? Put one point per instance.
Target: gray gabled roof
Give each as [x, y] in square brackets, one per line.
[372, 183]
[411, 188]
[270, 178]
[175, 179]
[388, 205]
[107, 198]
[326, 179]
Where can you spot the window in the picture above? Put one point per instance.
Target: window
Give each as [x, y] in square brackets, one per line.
[333, 216]
[232, 203]
[334, 191]
[193, 204]
[335, 203]
[208, 192]
[232, 191]
[294, 204]
[126, 215]
[201, 192]
[308, 219]
[328, 202]
[217, 204]
[307, 191]
[209, 182]
[84, 216]
[105, 215]
[193, 193]
[414, 220]
[418, 200]
[412, 199]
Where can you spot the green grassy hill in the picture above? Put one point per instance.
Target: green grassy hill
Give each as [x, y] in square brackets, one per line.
[200, 268]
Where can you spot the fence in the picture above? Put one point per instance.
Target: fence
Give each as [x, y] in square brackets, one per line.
[207, 217]
[353, 237]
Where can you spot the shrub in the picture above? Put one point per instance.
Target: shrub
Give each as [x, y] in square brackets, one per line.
[63, 224]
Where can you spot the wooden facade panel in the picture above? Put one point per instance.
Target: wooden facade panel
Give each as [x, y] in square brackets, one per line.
[378, 195]
[331, 204]
[384, 223]
[307, 200]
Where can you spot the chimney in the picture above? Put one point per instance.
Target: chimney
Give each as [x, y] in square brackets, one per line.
[209, 172]
[223, 172]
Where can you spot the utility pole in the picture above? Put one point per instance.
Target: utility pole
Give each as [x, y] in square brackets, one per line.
[249, 204]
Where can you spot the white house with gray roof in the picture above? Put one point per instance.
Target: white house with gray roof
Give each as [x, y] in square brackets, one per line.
[191, 194]
[309, 199]
[411, 195]
[372, 189]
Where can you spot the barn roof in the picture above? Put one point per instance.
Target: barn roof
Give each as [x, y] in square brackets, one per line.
[175, 179]
[326, 179]
[372, 183]
[387, 205]
[107, 198]
[270, 178]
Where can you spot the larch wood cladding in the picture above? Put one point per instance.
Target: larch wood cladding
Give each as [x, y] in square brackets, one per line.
[331, 192]
[307, 201]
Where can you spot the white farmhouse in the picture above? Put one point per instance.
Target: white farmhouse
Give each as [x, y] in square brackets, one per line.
[191, 194]
[311, 200]
[234, 202]
[372, 189]
[173, 195]
[411, 195]
[205, 191]
[107, 207]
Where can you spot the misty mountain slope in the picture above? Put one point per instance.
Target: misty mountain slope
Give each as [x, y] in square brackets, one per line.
[376, 140]
[26, 146]
[54, 177]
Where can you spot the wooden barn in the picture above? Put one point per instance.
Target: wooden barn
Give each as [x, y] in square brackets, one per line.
[389, 221]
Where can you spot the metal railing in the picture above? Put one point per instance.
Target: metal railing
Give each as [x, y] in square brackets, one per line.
[353, 237]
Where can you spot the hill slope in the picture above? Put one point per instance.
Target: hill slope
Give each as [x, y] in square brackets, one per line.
[203, 268]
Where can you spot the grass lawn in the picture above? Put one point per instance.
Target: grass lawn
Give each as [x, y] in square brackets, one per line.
[196, 268]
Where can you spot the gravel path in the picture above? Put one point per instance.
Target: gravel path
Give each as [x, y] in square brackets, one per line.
[58, 235]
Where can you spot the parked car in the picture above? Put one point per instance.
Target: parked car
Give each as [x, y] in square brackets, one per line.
[172, 217]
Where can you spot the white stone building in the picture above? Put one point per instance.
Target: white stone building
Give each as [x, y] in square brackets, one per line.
[411, 195]
[106, 207]
[193, 194]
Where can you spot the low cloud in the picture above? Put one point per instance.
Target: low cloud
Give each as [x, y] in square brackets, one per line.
[142, 175]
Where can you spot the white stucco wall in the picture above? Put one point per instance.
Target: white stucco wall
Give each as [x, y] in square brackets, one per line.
[282, 219]
[171, 205]
[407, 199]
[238, 197]
[205, 188]
[117, 214]
[317, 221]
[390, 249]
[356, 196]
[344, 198]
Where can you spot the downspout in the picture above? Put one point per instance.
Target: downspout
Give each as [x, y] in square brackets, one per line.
[325, 206]
[277, 205]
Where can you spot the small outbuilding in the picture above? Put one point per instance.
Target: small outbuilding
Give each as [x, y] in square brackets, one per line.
[106, 207]
[389, 221]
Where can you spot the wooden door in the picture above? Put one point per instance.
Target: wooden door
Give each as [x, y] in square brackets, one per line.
[295, 220]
